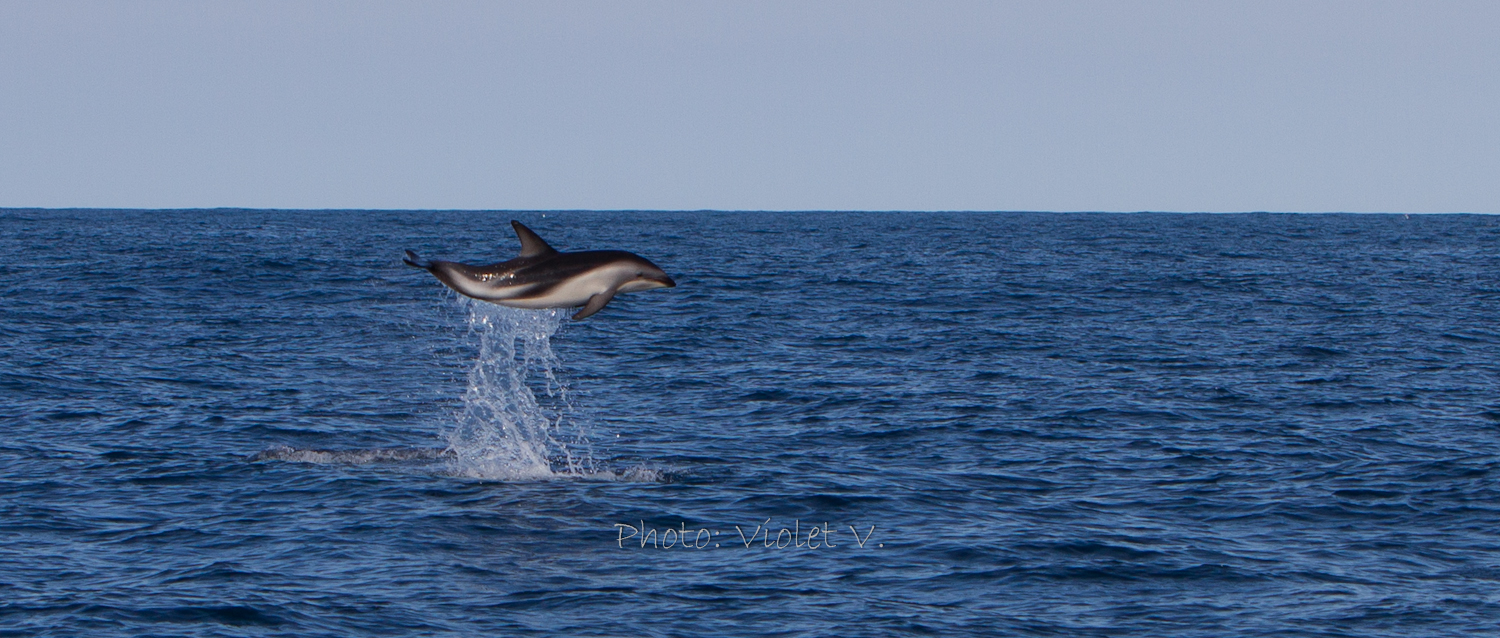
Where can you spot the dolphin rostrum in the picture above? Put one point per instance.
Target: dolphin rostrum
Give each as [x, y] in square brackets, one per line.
[542, 277]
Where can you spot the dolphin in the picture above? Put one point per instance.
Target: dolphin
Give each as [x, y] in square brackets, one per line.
[542, 277]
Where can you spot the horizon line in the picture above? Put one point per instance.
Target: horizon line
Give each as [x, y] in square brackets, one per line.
[712, 210]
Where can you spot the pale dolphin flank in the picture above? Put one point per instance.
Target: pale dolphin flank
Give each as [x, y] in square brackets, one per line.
[541, 277]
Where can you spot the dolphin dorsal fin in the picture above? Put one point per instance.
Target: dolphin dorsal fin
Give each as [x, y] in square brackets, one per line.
[531, 244]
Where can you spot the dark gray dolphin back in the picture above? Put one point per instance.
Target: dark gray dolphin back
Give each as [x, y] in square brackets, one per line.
[532, 245]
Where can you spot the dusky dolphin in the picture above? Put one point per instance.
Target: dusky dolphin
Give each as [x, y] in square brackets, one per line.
[542, 277]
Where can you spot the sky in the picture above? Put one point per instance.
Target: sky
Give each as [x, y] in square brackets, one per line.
[1362, 106]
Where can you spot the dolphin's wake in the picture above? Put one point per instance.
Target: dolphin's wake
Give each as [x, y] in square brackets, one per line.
[516, 420]
[503, 431]
[352, 457]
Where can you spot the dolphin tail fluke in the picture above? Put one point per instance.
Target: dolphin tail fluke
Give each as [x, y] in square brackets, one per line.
[413, 260]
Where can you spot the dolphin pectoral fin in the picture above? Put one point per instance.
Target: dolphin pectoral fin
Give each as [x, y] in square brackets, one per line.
[413, 260]
[595, 304]
[532, 244]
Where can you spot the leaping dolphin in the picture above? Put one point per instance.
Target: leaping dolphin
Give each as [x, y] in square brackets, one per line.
[542, 277]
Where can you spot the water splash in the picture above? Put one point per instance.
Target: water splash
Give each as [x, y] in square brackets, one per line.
[515, 422]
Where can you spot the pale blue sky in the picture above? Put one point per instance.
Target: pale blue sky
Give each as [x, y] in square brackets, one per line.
[1120, 106]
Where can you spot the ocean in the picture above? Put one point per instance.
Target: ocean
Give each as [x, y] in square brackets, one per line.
[261, 423]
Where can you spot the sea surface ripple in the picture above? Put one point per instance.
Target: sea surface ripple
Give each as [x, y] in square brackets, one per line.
[248, 423]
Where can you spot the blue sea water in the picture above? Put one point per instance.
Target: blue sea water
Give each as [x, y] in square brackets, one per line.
[254, 423]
